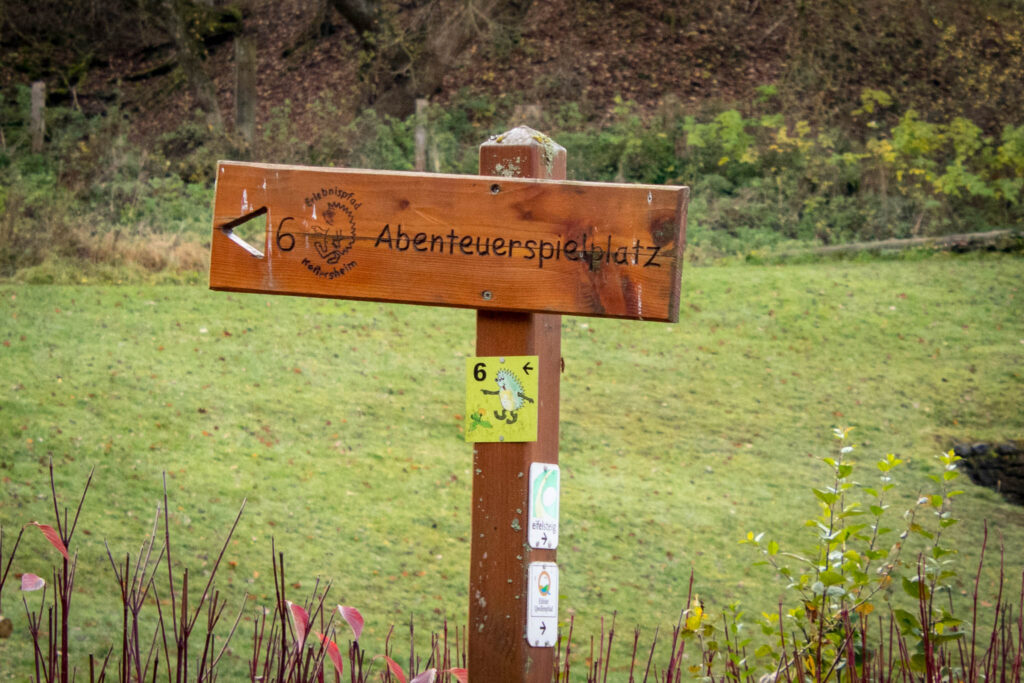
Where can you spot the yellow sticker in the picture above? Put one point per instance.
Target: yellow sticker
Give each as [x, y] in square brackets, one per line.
[501, 398]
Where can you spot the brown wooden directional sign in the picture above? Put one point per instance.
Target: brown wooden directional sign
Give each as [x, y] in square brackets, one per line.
[507, 244]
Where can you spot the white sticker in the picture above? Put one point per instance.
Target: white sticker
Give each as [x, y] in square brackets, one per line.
[545, 496]
[542, 604]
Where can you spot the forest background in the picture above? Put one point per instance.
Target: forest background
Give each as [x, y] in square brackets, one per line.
[796, 123]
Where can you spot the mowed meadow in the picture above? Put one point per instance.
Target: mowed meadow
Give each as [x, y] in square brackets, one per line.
[338, 424]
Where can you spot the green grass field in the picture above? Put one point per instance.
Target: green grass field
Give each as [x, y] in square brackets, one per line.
[339, 423]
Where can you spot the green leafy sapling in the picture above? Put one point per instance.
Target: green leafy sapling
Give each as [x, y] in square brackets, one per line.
[934, 574]
[856, 559]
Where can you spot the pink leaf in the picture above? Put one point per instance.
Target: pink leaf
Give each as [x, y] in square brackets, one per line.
[354, 619]
[395, 669]
[53, 537]
[332, 652]
[427, 676]
[31, 582]
[461, 675]
[300, 619]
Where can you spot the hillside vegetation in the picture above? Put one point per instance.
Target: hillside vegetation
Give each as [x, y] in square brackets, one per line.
[806, 123]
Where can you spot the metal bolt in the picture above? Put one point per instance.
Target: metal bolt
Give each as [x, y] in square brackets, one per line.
[486, 294]
[495, 188]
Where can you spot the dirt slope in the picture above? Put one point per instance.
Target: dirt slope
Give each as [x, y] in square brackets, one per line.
[566, 51]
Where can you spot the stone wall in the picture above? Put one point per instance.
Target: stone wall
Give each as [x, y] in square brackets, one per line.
[997, 466]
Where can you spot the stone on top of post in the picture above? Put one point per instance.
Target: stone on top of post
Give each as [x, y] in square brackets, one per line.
[513, 154]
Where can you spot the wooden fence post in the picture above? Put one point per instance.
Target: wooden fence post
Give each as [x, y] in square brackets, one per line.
[421, 134]
[245, 90]
[500, 554]
[38, 113]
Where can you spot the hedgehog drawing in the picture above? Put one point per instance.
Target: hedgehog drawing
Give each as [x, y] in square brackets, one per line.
[511, 395]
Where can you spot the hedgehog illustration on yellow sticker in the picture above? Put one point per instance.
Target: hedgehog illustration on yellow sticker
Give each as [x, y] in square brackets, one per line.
[510, 394]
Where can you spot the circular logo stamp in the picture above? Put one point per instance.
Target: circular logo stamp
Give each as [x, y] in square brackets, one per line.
[332, 231]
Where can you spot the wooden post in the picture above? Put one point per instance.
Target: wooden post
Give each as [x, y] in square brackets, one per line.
[38, 114]
[421, 134]
[245, 90]
[500, 554]
[522, 250]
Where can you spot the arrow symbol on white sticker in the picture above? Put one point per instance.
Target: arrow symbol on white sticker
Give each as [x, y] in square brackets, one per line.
[543, 627]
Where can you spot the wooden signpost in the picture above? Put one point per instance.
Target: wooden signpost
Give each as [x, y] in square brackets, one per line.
[522, 246]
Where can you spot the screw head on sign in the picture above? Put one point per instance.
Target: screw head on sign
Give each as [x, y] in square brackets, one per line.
[486, 294]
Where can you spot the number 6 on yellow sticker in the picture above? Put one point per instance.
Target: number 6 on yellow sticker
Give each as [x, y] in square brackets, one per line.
[501, 398]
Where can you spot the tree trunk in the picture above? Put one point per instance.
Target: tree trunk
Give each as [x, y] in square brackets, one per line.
[363, 15]
[409, 68]
[318, 25]
[245, 90]
[191, 52]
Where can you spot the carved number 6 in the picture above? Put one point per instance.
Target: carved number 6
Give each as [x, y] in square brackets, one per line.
[479, 372]
[280, 237]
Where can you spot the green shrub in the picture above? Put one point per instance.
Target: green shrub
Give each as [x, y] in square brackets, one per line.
[760, 182]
